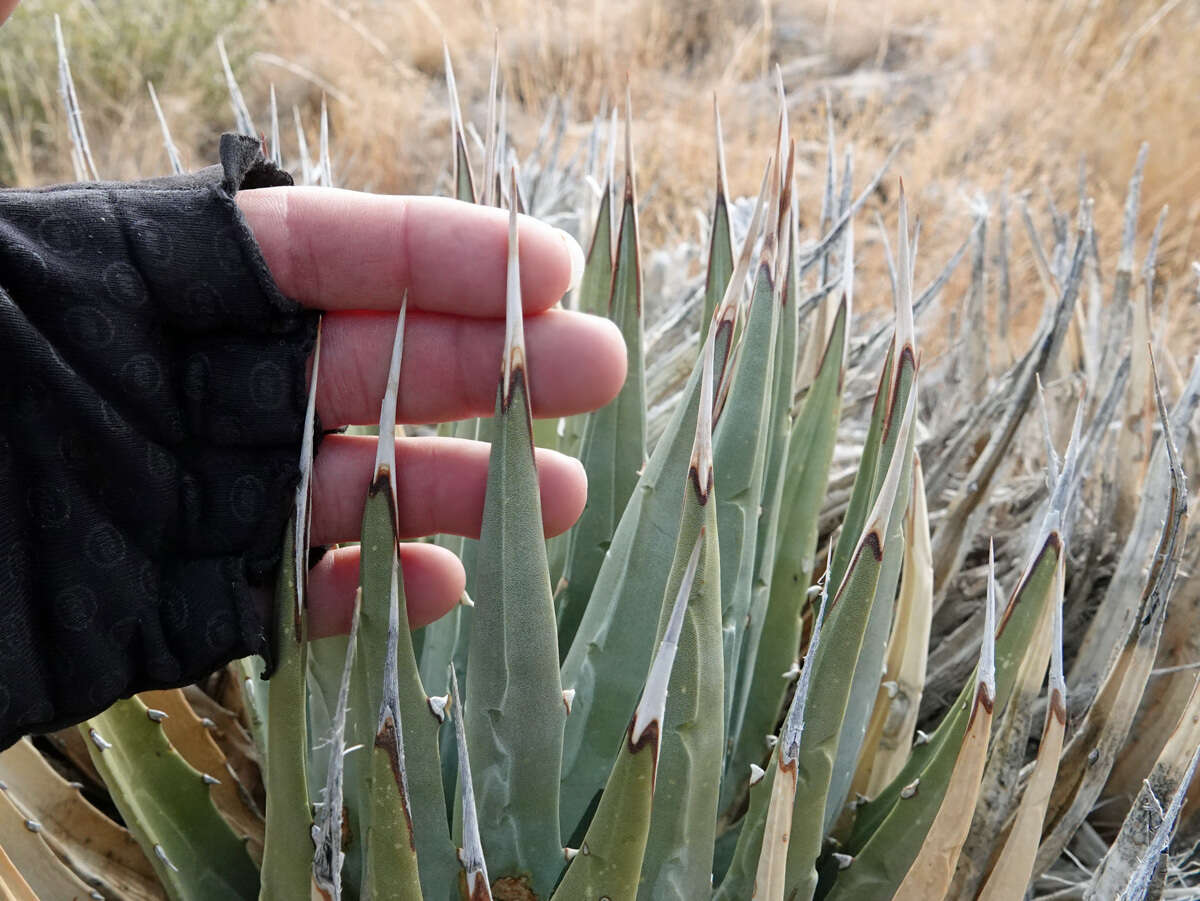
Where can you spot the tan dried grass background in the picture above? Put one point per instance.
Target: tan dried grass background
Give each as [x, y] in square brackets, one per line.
[980, 92]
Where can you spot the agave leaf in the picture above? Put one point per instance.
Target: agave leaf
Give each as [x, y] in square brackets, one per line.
[613, 448]
[953, 536]
[864, 680]
[679, 852]
[738, 882]
[400, 779]
[81, 151]
[771, 880]
[616, 635]
[514, 702]
[12, 883]
[168, 144]
[193, 741]
[595, 291]
[477, 885]
[464, 181]
[931, 871]
[720, 240]
[288, 844]
[893, 722]
[889, 829]
[1119, 605]
[167, 806]
[90, 843]
[595, 286]
[740, 443]
[1011, 871]
[774, 476]
[39, 870]
[833, 665]
[1146, 817]
[391, 843]
[241, 114]
[1089, 756]
[276, 146]
[1153, 865]
[329, 858]
[609, 861]
[1001, 780]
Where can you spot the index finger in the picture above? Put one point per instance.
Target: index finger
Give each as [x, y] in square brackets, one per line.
[344, 250]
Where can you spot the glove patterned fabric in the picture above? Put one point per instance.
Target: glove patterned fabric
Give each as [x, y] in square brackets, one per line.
[152, 397]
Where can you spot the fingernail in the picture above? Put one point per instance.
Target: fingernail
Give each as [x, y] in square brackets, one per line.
[576, 253]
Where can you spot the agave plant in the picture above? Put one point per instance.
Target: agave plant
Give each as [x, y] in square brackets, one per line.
[717, 684]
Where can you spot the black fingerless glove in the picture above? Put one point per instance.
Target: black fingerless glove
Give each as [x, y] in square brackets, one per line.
[152, 396]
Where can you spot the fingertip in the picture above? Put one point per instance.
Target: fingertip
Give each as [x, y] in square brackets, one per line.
[434, 580]
[551, 264]
[563, 485]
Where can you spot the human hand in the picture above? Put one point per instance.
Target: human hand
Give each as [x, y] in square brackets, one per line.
[354, 255]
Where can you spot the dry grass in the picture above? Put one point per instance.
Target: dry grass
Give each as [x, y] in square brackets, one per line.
[980, 93]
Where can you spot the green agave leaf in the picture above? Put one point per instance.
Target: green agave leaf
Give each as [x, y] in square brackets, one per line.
[609, 861]
[615, 637]
[865, 679]
[165, 803]
[809, 454]
[720, 240]
[514, 705]
[595, 290]
[767, 538]
[613, 449]
[464, 181]
[738, 883]
[679, 852]
[833, 667]
[391, 846]
[889, 830]
[403, 801]
[29, 868]
[287, 842]
[742, 440]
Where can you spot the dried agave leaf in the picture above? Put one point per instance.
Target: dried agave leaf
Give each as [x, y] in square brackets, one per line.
[1088, 757]
[931, 871]
[13, 886]
[889, 829]
[92, 845]
[41, 871]
[168, 807]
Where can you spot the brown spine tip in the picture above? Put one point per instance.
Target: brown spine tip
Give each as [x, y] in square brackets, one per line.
[1058, 706]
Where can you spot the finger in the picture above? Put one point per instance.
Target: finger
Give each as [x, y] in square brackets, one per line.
[345, 250]
[440, 486]
[452, 365]
[434, 580]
